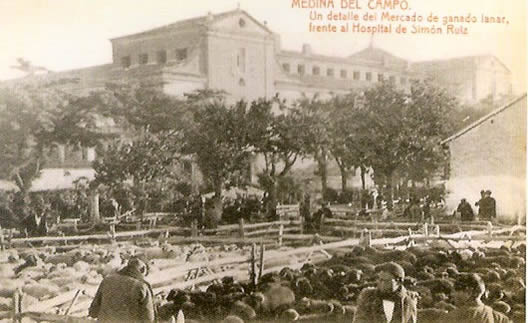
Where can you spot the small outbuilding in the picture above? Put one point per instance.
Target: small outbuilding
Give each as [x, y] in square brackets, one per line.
[490, 154]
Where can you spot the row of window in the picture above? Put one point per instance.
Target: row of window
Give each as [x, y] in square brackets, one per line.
[356, 75]
[161, 57]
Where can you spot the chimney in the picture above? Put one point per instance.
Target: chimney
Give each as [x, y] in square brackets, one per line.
[307, 49]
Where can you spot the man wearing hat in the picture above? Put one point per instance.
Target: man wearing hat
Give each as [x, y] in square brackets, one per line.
[125, 296]
[487, 207]
[468, 291]
[389, 301]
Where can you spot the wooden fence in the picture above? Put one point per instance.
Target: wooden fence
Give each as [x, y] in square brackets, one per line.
[177, 276]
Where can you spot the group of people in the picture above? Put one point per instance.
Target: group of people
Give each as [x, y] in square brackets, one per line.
[487, 208]
[438, 291]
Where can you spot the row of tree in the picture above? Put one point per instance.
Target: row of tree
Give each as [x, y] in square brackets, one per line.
[393, 133]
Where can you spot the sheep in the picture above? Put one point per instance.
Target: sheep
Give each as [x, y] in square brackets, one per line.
[232, 319]
[438, 286]
[243, 310]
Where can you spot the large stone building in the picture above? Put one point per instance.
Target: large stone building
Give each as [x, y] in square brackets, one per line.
[491, 154]
[471, 78]
[234, 52]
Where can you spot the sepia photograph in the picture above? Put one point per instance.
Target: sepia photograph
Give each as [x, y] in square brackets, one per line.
[232, 161]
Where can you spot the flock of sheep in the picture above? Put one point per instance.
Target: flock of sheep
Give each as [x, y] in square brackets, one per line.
[326, 292]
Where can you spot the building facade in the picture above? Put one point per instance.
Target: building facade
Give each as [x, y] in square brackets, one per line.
[234, 52]
[490, 154]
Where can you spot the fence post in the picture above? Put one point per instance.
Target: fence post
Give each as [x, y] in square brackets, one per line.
[241, 228]
[490, 229]
[9, 238]
[281, 231]
[16, 306]
[437, 230]
[113, 232]
[2, 247]
[252, 268]
[75, 227]
[194, 229]
[301, 219]
[366, 237]
[321, 223]
[426, 229]
[432, 219]
[77, 293]
[261, 264]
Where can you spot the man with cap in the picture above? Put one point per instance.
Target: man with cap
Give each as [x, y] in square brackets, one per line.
[468, 291]
[487, 207]
[125, 296]
[389, 301]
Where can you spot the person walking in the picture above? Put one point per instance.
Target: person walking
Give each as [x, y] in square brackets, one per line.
[125, 296]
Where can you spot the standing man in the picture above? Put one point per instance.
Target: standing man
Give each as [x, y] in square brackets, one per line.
[479, 203]
[491, 205]
[125, 296]
[487, 207]
[389, 301]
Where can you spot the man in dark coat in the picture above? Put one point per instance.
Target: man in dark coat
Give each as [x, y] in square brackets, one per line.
[487, 207]
[478, 203]
[465, 210]
[468, 291]
[389, 301]
[125, 296]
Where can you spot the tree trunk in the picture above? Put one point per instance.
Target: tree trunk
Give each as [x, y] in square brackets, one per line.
[94, 207]
[390, 191]
[344, 179]
[217, 202]
[272, 200]
[363, 184]
[323, 172]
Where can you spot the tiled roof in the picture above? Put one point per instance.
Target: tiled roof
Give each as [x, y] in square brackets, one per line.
[193, 22]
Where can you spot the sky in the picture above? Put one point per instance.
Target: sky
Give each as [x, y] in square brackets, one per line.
[69, 34]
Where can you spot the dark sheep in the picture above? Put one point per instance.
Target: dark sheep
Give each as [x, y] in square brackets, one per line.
[438, 286]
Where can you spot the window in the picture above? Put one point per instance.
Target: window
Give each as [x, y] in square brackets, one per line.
[161, 57]
[143, 59]
[125, 61]
[392, 79]
[242, 82]
[241, 60]
[380, 77]
[368, 76]
[356, 76]
[300, 69]
[316, 70]
[343, 74]
[242, 23]
[330, 72]
[286, 67]
[181, 54]
[403, 81]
